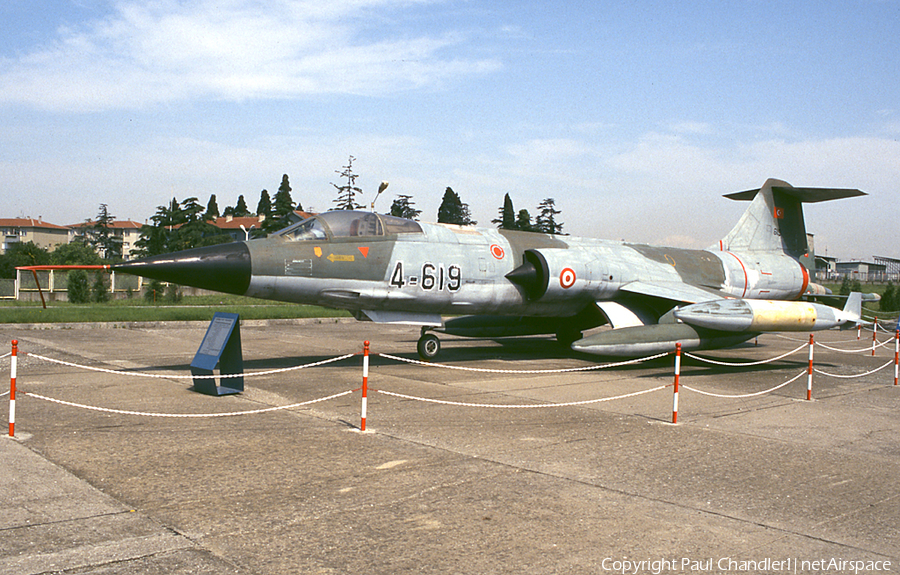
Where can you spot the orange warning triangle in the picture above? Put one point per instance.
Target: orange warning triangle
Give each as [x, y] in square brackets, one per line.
[364, 250]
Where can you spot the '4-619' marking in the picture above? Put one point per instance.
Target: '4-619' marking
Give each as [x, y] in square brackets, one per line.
[433, 277]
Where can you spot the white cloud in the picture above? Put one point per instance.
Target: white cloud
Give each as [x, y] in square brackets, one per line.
[146, 53]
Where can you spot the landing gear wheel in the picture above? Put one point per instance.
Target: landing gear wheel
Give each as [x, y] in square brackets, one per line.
[429, 346]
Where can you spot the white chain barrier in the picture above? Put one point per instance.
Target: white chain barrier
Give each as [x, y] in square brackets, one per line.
[895, 361]
[859, 350]
[777, 387]
[518, 406]
[524, 371]
[187, 415]
[745, 364]
[820, 372]
[176, 376]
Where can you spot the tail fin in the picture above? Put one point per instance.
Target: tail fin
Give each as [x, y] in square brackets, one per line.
[774, 219]
[853, 307]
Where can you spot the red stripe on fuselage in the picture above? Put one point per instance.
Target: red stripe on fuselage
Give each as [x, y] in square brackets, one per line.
[805, 280]
[744, 268]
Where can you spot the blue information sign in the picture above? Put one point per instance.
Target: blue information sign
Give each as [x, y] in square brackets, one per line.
[221, 346]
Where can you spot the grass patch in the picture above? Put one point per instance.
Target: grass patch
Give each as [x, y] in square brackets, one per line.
[191, 308]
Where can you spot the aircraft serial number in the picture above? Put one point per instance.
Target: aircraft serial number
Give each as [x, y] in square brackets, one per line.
[434, 277]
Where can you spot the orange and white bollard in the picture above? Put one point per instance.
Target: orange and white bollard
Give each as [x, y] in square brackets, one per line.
[365, 386]
[896, 355]
[12, 387]
[677, 376]
[809, 370]
[874, 335]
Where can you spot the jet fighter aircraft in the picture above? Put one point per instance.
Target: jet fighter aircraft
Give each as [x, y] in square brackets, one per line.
[511, 283]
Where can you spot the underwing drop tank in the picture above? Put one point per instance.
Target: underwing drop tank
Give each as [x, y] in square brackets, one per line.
[744, 315]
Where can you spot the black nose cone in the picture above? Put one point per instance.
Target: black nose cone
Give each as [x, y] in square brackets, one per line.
[224, 268]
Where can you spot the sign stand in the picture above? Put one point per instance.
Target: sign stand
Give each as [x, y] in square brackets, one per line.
[221, 346]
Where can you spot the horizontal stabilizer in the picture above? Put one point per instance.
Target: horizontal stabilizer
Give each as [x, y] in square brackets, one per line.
[773, 221]
[805, 195]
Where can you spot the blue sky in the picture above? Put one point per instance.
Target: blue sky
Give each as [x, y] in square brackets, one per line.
[634, 116]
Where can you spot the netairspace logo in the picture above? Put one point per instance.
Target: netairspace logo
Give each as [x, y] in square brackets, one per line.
[626, 566]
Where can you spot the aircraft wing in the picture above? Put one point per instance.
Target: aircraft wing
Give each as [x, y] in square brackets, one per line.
[674, 291]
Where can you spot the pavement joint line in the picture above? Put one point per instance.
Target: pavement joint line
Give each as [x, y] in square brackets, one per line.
[97, 555]
[68, 520]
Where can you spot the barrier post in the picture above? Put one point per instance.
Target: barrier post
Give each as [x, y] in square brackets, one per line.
[858, 331]
[874, 335]
[365, 386]
[677, 375]
[12, 387]
[809, 371]
[896, 355]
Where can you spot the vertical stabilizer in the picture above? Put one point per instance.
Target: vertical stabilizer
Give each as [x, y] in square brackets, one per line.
[774, 219]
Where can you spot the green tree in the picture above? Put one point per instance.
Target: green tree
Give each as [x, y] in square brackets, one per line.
[99, 289]
[283, 204]
[195, 231]
[178, 226]
[77, 288]
[453, 211]
[546, 219]
[889, 299]
[282, 207]
[240, 208]
[523, 221]
[845, 286]
[75, 253]
[101, 236]
[22, 254]
[346, 199]
[507, 219]
[212, 208]
[264, 207]
[403, 208]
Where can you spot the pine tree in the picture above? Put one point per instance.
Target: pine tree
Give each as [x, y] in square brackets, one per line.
[546, 220]
[453, 211]
[282, 205]
[264, 207]
[212, 208]
[346, 199]
[507, 219]
[240, 209]
[101, 236]
[403, 208]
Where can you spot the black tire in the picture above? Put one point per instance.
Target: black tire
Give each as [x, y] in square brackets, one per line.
[429, 346]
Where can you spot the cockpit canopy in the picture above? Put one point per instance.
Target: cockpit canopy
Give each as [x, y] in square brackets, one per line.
[348, 224]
